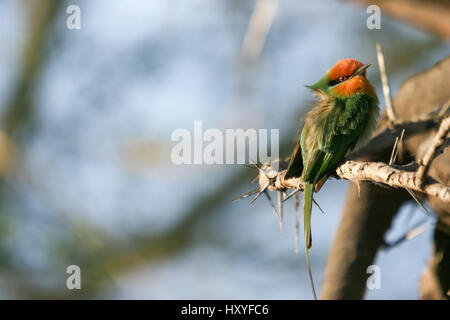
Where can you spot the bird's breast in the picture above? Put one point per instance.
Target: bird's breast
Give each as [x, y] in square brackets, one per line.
[357, 84]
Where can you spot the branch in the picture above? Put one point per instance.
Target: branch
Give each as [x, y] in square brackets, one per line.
[377, 172]
[438, 141]
[391, 176]
[258, 29]
[386, 91]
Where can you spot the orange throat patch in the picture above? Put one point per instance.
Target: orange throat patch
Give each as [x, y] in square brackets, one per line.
[357, 84]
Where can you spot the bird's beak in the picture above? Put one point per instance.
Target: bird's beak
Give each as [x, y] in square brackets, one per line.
[362, 69]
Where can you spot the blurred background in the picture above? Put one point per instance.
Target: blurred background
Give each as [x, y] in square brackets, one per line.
[87, 116]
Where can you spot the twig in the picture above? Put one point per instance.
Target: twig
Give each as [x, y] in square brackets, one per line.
[395, 149]
[387, 92]
[397, 144]
[391, 176]
[438, 141]
[391, 159]
[378, 172]
[258, 28]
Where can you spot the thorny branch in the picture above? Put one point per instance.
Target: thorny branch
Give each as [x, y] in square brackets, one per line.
[377, 172]
[410, 177]
[390, 175]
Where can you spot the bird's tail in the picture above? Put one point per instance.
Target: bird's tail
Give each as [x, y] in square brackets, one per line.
[307, 206]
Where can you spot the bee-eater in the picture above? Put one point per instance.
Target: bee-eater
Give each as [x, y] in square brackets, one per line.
[342, 120]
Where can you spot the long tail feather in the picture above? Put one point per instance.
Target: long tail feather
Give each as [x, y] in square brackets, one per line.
[310, 275]
[307, 204]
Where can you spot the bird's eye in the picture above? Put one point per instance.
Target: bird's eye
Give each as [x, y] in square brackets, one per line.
[342, 78]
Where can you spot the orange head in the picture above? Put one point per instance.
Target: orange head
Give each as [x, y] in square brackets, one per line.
[346, 78]
[344, 69]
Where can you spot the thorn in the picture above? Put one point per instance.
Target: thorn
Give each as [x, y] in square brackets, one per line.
[399, 145]
[253, 165]
[391, 159]
[292, 193]
[396, 148]
[280, 210]
[414, 196]
[271, 203]
[318, 206]
[259, 193]
[358, 184]
[246, 195]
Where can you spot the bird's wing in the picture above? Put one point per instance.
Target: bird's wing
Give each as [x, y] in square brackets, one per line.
[346, 123]
[295, 167]
[330, 134]
[372, 119]
[318, 114]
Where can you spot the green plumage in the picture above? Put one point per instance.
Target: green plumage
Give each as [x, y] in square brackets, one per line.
[332, 128]
[335, 126]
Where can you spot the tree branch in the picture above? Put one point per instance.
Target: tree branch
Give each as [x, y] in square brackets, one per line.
[377, 172]
[386, 90]
[438, 141]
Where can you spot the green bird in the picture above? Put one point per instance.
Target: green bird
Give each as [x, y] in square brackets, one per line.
[341, 121]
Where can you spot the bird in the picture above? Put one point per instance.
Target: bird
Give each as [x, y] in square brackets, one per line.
[342, 120]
